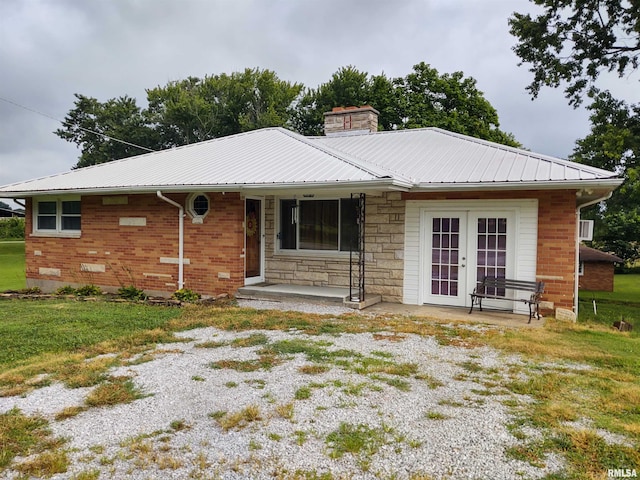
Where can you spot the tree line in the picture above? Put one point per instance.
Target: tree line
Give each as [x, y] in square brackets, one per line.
[197, 109]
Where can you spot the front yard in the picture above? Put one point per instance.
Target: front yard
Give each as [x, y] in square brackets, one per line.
[110, 390]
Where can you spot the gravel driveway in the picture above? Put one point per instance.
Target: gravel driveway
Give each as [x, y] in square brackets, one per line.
[374, 406]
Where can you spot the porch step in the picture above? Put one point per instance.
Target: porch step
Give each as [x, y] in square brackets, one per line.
[267, 291]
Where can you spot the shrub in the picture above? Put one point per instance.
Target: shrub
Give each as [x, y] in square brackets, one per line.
[12, 228]
[186, 295]
[89, 291]
[31, 291]
[66, 290]
[131, 293]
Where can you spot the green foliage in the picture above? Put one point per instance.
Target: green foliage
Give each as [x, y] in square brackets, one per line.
[131, 293]
[12, 266]
[571, 42]
[356, 439]
[36, 327]
[88, 291]
[22, 435]
[12, 228]
[66, 290]
[614, 145]
[197, 109]
[423, 98]
[186, 295]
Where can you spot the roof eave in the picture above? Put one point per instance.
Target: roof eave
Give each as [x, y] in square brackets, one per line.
[380, 184]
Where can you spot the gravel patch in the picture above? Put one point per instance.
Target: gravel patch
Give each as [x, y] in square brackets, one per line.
[442, 420]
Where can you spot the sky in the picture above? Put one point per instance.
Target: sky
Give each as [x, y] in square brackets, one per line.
[51, 49]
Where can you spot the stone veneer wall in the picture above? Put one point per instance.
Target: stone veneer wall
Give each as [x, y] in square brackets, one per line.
[384, 252]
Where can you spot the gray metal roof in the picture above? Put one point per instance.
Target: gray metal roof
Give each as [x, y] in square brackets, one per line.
[277, 158]
[431, 156]
[265, 157]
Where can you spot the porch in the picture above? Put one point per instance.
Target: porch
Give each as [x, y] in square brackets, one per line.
[340, 296]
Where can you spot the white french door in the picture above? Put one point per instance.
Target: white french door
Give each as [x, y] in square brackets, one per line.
[460, 248]
[445, 258]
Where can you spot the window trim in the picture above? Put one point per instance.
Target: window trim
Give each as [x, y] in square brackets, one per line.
[196, 217]
[306, 252]
[58, 231]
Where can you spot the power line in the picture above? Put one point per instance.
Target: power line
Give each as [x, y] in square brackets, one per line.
[81, 128]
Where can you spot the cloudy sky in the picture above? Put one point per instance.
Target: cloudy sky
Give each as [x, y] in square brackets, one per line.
[51, 49]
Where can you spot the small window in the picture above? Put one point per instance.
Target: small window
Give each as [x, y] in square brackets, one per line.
[57, 216]
[198, 206]
[581, 268]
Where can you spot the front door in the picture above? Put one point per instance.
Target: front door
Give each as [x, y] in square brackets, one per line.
[253, 250]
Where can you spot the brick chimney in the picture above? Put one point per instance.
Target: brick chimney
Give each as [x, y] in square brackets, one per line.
[351, 120]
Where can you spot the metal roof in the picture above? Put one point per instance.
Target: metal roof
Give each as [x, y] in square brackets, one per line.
[431, 156]
[277, 158]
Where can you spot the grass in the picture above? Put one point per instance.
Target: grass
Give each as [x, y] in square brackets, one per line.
[32, 328]
[116, 390]
[621, 304]
[60, 340]
[12, 266]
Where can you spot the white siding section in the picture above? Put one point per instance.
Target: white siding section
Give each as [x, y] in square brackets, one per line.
[526, 241]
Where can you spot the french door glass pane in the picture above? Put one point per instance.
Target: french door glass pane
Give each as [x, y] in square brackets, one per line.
[492, 250]
[444, 256]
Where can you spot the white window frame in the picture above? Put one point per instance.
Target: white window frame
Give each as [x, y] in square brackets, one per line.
[196, 217]
[58, 231]
[580, 268]
[585, 230]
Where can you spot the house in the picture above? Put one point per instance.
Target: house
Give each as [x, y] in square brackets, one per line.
[413, 216]
[8, 213]
[596, 269]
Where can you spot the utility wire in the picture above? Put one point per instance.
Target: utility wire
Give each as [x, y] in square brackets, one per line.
[81, 128]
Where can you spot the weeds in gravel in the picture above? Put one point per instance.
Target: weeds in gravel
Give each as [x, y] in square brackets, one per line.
[302, 393]
[44, 464]
[93, 474]
[313, 369]
[114, 391]
[356, 439]
[285, 410]
[69, 412]
[22, 435]
[240, 419]
[433, 415]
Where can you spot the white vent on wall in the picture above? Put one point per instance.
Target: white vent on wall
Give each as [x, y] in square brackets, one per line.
[586, 230]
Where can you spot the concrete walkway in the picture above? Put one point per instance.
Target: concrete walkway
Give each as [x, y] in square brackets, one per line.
[334, 295]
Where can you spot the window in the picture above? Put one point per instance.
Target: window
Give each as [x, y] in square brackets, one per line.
[198, 206]
[330, 224]
[57, 216]
[581, 268]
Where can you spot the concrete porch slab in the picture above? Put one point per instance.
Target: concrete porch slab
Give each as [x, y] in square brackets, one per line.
[277, 291]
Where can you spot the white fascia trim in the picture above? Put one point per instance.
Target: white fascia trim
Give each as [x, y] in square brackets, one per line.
[383, 183]
[609, 183]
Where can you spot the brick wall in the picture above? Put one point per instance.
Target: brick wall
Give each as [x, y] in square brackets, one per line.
[597, 276]
[384, 247]
[109, 254]
[556, 236]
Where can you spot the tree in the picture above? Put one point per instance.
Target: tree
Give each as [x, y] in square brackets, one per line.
[574, 41]
[179, 113]
[4, 205]
[95, 126]
[614, 144]
[194, 110]
[423, 98]
[449, 101]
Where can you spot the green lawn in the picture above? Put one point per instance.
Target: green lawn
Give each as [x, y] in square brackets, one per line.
[29, 328]
[621, 304]
[12, 273]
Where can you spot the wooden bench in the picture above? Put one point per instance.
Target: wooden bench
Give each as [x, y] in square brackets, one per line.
[495, 288]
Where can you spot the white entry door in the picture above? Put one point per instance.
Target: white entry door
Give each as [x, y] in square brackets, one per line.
[462, 247]
[445, 256]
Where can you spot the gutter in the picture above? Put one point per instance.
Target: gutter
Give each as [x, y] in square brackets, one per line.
[577, 241]
[180, 237]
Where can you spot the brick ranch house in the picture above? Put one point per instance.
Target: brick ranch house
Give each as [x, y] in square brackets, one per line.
[412, 216]
[596, 270]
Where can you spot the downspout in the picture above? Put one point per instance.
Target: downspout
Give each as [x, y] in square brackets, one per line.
[180, 237]
[577, 264]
